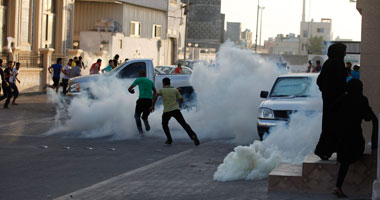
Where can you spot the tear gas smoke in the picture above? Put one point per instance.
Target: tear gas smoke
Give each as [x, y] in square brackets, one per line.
[286, 143]
[227, 102]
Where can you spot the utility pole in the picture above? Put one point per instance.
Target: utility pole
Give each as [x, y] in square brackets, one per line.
[187, 13]
[261, 23]
[257, 24]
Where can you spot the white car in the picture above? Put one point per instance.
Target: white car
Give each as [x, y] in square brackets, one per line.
[170, 69]
[290, 93]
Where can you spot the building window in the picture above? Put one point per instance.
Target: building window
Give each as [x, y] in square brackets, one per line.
[305, 33]
[135, 29]
[121, 44]
[48, 33]
[320, 30]
[157, 31]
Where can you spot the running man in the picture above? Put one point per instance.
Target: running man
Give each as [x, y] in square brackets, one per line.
[12, 81]
[171, 109]
[6, 85]
[57, 69]
[146, 92]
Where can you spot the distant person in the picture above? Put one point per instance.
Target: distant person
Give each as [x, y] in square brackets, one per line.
[95, 68]
[74, 63]
[178, 69]
[146, 92]
[109, 67]
[332, 84]
[349, 67]
[116, 60]
[66, 75]
[351, 110]
[7, 89]
[82, 66]
[126, 60]
[355, 73]
[309, 66]
[12, 81]
[170, 95]
[318, 67]
[75, 71]
[57, 69]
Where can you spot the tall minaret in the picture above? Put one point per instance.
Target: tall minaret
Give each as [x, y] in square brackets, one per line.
[304, 11]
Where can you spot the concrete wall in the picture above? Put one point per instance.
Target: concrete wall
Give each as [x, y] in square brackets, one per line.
[31, 79]
[131, 47]
[370, 53]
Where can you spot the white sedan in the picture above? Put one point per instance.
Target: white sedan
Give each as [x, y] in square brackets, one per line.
[170, 69]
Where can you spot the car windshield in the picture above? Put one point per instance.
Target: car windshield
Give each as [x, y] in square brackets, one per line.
[292, 87]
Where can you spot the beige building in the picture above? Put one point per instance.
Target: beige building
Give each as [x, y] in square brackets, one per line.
[34, 25]
[43, 30]
[370, 69]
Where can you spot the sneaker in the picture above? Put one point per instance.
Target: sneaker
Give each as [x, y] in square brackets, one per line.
[168, 142]
[196, 141]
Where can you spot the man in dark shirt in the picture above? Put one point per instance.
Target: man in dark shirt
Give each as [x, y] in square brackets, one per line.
[56, 69]
[6, 85]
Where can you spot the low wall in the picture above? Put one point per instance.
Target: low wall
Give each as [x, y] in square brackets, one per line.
[31, 80]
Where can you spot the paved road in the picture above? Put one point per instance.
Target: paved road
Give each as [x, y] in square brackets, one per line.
[137, 169]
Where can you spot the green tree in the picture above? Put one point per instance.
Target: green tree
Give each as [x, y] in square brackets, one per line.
[316, 45]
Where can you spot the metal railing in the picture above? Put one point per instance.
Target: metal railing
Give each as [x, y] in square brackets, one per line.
[30, 60]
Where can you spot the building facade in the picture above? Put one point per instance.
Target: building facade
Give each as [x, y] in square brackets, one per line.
[314, 29]
[286, 44]
[130, 29]
[246, 37]
[205, 23]
[233, 32]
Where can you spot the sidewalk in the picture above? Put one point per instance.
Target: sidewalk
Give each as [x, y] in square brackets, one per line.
[187, 175]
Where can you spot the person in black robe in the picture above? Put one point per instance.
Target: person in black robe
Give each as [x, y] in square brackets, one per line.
[349, 111]
[332, 83]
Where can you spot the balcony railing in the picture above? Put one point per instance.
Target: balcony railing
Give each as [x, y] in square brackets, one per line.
[30, 60]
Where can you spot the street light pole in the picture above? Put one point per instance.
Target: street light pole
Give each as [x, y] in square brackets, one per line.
[261, 23]
[257, 24]
[187, 10]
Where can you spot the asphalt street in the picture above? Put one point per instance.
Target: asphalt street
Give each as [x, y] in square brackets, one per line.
[34, 166]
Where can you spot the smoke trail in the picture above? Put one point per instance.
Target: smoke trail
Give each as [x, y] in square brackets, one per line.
[227, 102]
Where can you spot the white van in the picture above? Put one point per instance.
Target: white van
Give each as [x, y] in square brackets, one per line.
[290, 93]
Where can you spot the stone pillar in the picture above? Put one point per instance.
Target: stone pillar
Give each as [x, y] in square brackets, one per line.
[37, 36]
[46, 63]
[74, 52]
[370, 69]
[197, 52]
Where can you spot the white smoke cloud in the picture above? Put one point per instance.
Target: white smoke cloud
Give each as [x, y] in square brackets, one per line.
[227, 102]
[286, 143]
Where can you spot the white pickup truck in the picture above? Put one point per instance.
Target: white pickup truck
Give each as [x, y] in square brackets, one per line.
[130, 70]
[290, 93]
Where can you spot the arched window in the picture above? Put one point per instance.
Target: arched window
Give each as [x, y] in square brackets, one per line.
[48, 24]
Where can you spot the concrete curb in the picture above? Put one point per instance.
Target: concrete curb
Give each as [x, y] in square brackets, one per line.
[123, 176]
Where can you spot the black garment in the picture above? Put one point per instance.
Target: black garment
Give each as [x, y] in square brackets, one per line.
[142, 107]
[349, 113]
[332, 83]
[2, 74]
[65, 83]
[7, 94]
[55, 82]
[15, 90]
[7, 72]
[178, 116]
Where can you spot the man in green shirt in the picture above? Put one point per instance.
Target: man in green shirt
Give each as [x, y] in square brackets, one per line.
[171, 109]
[143, 104]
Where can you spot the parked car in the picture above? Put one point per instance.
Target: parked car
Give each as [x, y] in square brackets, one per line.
[170, 69]
[290, 93]
[130, 70]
